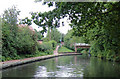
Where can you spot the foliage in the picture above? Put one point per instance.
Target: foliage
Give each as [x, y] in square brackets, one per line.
[53, 34]
[53, 43]
[0, 40]
[19, 42]
[80, 50]
[26, 41]
[26, 21]
[48, 37]
[97, 22]
[62, 37]
[39, 35]
[47, 47]
[9, 30]
[10, 15]
[70, 39]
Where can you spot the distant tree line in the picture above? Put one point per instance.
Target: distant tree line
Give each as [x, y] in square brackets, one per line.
[53, 34]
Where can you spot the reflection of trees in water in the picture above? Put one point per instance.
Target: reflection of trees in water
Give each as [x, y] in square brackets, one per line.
[56, 59]
[75, 59]
[72, 65]
[80, 63]
[92, 67]
[102, 68]
[26, 70]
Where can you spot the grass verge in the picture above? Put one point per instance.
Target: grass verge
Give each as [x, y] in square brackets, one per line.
[64, 49]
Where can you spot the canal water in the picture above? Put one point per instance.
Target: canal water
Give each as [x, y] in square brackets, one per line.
[66, 66]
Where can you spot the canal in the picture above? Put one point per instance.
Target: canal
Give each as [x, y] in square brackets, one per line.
[66, 66]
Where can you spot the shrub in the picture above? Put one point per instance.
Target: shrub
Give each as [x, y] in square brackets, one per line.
[26, 41]
[53, 43]
[80, 49]
[47, 47]
[16, 41]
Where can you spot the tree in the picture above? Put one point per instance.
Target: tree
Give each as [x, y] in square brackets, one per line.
[94, 21]
[11, 15]
[39, 35]
[70, 39]
[16, 40]
[9, 29]
[53, 34]
[0, 39]
[62, 37]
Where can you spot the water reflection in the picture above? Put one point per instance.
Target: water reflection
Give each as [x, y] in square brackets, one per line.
[63, 68]
[66, 66]
[66, 70]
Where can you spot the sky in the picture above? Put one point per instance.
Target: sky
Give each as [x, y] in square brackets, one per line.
[27, 6]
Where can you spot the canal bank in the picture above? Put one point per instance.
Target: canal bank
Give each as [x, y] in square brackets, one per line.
[13, 63]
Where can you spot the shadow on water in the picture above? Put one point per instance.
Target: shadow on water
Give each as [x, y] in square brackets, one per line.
[65, 66]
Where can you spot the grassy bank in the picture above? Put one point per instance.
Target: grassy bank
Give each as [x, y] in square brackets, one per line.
[64, 49]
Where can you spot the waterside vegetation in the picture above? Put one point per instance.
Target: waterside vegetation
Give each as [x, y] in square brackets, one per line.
[21, 42]
[97, 22]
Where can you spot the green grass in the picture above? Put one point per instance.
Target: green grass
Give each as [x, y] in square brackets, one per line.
[25, 56]
[64, 49]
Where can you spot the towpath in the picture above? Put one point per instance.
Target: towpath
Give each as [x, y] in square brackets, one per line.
[56, 50]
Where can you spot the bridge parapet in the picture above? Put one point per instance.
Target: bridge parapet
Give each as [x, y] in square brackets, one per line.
[81, 44]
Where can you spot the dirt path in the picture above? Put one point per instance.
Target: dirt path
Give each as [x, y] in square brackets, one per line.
[56, 50]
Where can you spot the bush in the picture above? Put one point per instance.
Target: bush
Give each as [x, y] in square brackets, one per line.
[53, 43]
[47, 47]
[17, 41]
[26, 41]
[80, 49]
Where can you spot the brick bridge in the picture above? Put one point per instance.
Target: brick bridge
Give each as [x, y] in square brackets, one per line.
[81, 45]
